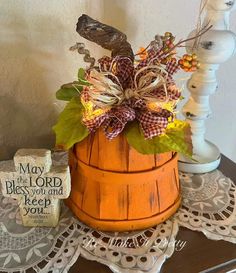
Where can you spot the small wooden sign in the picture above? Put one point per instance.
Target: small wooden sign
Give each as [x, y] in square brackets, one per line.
[37, 185]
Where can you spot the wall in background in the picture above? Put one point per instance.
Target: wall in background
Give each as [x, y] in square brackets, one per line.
[35, 61]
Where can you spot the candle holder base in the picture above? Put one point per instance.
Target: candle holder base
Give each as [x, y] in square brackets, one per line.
[204, 164]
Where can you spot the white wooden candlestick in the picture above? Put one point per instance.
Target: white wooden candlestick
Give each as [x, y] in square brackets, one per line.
[216, 46]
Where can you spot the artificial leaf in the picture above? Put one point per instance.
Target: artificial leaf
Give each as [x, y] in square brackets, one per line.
[81, 74]
[84, 82]
[68, 91]
[81, 78]
[177, 138]
[69, 128]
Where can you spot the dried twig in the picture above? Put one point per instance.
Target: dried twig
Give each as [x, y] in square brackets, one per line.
[199, 34]
[179, 44]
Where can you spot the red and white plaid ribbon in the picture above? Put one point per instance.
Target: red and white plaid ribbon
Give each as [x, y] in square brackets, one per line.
[116, 121]
[113, 122]
[128, 90]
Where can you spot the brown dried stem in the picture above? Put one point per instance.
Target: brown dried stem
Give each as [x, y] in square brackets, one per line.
[104, 35]
[179, 44]
[199, 34]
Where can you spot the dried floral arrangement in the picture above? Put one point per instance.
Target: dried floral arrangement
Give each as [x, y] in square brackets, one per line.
[132, 94]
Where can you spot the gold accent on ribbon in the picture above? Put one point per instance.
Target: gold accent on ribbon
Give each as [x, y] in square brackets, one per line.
[91, 113]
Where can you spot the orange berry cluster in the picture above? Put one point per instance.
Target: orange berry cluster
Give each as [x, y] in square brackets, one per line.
[142, 53]
[189, 63]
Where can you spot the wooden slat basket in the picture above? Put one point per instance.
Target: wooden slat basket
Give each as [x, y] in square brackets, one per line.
[115, 188]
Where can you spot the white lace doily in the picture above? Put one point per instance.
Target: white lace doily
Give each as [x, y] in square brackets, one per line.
[208, 206]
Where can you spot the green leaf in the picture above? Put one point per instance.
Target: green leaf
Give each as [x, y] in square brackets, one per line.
[81, 74]
[84, 82]
[177, 138]
[81, 77]
[69, 128]
[68, 91]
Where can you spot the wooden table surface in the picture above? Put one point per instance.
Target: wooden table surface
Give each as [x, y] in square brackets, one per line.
[198, 255]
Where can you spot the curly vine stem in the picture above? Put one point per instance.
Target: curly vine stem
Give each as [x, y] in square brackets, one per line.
[80, 47]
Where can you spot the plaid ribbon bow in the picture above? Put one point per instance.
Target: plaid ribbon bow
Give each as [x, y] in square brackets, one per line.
[152, 124]
[116, 121]
[113, 122]
[128, 91]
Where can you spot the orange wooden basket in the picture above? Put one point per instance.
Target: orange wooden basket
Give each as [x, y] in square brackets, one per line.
[115, 188]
